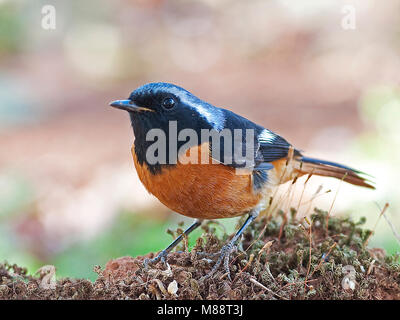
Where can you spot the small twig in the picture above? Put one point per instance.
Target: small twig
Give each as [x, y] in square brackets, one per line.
[248, 263]
[376, 223]
[288, 161]
[294, 283]
[395, 233]
[266, 247]
[310, 241]
[302, 191]
[160, 285]
[371, 266]
[314, 196]
[317, 196]
[333, 202]
[224, 276]
[323, 259]
[293, 191]
[284, 221]
[266, 289]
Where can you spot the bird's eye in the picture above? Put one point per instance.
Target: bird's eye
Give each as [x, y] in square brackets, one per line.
[168, 103]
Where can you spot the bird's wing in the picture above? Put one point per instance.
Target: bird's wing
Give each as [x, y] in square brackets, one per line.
[266, 147]
[271, 147]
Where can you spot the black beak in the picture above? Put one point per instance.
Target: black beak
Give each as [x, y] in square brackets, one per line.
[127, 105]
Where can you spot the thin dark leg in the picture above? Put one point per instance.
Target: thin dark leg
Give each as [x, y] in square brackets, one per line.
[226, 249]
[163, 254]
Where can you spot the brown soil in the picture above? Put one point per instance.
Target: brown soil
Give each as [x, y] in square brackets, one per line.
[273, 262]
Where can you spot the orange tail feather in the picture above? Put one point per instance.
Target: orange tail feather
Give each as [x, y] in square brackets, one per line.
[331, 169]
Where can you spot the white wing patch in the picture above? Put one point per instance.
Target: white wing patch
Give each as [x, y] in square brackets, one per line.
[266, 136]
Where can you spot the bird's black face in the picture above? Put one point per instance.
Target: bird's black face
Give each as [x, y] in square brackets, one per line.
[166, 107]
[156, 105]
[159, 106]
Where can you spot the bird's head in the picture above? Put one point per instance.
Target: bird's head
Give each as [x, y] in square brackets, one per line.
[171, 109]
[154, 105]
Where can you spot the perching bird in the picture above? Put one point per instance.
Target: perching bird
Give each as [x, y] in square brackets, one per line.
[170, 148]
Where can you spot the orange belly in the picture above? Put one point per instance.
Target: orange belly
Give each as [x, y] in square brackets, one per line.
[204, 191]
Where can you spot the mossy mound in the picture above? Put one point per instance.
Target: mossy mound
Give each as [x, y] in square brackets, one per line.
[297, 259]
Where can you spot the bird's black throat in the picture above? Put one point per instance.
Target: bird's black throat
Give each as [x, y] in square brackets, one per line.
[142, 123]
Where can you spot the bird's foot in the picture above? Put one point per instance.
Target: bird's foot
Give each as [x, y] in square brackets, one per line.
[162, 256]
[223, 259]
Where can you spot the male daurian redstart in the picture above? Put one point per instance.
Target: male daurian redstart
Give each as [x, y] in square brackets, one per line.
[164, 117]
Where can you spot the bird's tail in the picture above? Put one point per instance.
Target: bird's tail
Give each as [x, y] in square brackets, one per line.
[324, 168]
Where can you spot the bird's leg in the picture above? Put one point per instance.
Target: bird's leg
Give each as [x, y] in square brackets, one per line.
[226, 250]
[163, 254]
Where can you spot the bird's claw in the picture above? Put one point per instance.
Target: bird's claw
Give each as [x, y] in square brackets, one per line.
[162, 256]
[223, 258]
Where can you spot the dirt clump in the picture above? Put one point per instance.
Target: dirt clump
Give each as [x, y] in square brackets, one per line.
[277, 259]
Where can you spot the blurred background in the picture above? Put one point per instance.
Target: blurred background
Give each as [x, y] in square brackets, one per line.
[323, 74]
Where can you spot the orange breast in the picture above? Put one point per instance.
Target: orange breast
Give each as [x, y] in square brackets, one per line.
[205, 191]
